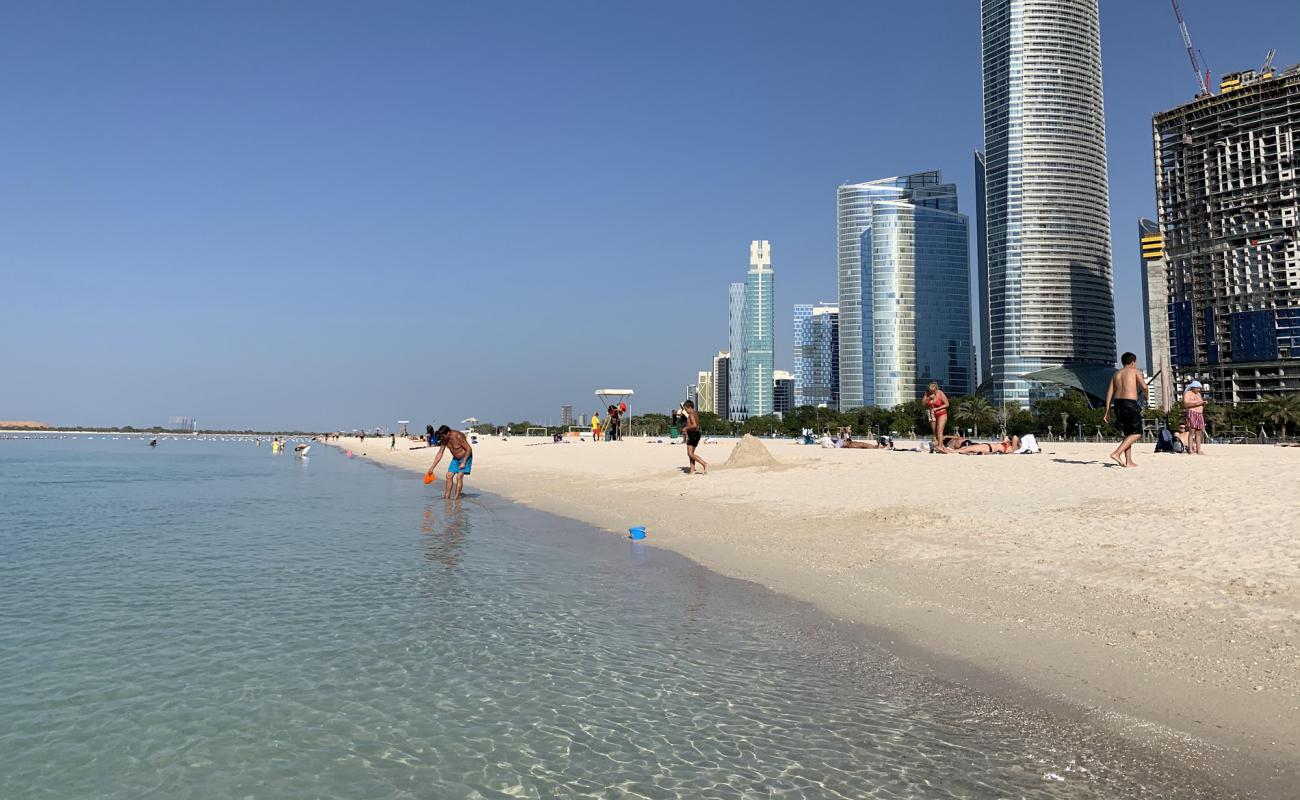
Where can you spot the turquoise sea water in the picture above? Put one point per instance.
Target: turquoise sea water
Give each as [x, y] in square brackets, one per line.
[209, 620]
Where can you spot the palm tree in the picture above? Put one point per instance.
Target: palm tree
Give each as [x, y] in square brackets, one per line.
[975, 410]
[1005, 412]
[1283, 409]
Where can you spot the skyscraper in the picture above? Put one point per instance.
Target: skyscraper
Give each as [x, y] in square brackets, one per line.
[817, 355]
[759, 319]
[737, 390]
[1228, 194]
[704, 391]
[1155, 300]
[981, 274]
[782, 391]
[722, 384]
[1046, 226]
[904, 313]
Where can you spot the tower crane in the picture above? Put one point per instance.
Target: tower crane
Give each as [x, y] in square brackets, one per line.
[1202, 78]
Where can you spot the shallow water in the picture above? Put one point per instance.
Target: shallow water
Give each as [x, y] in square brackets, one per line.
[209, 620]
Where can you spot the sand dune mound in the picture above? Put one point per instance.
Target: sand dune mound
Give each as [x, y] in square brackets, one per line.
[749, 452]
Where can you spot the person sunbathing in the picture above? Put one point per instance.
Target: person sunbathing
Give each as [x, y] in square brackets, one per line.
[847, 443]
[1007, 445]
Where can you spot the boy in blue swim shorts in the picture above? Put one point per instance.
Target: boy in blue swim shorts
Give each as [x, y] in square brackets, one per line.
[462, 459]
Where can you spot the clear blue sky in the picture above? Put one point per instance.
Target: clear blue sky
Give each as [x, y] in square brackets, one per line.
[327, 214]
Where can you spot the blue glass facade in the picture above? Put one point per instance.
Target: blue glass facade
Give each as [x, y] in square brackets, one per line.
[907, 321]
[982, 271]
[737, 388]
[816, 355]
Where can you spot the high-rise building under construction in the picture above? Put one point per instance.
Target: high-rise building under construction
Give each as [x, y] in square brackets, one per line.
[1228, 192]
[1155, 314]
[1044, 249]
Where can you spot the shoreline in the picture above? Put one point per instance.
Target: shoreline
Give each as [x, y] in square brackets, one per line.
[1184, 647]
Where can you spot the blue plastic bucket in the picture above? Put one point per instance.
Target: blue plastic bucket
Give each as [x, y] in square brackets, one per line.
[636, 533]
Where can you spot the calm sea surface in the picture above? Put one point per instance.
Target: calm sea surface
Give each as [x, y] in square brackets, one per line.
[209, 620]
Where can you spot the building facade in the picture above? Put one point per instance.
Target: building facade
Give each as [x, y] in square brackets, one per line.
[817, 355]
[737, 391]
[1045, 231]
[1227, 184]
[1155, 307]
[721, 384]
[759, 320]
[904, 313]
[566, 416]
[704, 391]
[981, 276]
[782, 391]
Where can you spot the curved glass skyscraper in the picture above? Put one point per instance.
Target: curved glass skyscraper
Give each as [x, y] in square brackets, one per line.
[904, 281]
[1045, 233]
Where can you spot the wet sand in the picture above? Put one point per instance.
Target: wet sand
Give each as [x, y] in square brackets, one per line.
[1162, 602]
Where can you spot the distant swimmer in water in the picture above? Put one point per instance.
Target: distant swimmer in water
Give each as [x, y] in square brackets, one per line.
[153, 443]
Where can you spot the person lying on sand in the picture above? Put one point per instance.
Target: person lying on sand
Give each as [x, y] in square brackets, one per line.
[849, 443]
[1008, 445]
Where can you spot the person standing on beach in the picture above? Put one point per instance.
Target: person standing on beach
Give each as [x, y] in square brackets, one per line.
[612, 424]
[1194, 402]
[392, 441]
[462, 459]
[595, 426]
[936, 407]
[692, 431]
[1126, 386]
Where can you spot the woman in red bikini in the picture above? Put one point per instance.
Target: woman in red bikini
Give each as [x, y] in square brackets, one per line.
[936, 408]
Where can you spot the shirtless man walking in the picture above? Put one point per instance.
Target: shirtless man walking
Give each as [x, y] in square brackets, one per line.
[462, 459]
[1126, 386]
[692, 431]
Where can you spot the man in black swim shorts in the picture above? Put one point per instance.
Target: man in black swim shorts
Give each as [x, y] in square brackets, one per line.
[1126, 386]
[692, 431]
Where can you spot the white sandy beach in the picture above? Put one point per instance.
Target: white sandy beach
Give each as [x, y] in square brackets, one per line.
[1163, 602]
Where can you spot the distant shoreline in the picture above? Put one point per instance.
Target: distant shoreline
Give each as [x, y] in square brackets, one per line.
[137, 432]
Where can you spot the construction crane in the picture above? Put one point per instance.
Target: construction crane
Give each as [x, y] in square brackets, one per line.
[1202, 78]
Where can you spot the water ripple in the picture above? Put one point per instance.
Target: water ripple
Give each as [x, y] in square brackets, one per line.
[215, 622]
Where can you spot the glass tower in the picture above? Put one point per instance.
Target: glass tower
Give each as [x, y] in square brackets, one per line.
[758, 330]
[904, 313]
[721, 385]
[782, 391]
[1046, 226]
[737, 392]
[816, 355]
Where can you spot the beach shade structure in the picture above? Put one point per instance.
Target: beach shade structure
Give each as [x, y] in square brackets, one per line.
[614, 397]
[1091, 379]
[470, 421]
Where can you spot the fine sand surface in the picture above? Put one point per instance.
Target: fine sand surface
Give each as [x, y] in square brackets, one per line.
[1162, 602]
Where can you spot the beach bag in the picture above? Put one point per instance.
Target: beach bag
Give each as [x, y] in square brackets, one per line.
[1029, 444]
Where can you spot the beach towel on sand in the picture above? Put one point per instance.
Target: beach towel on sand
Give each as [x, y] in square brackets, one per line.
[1028, 444]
